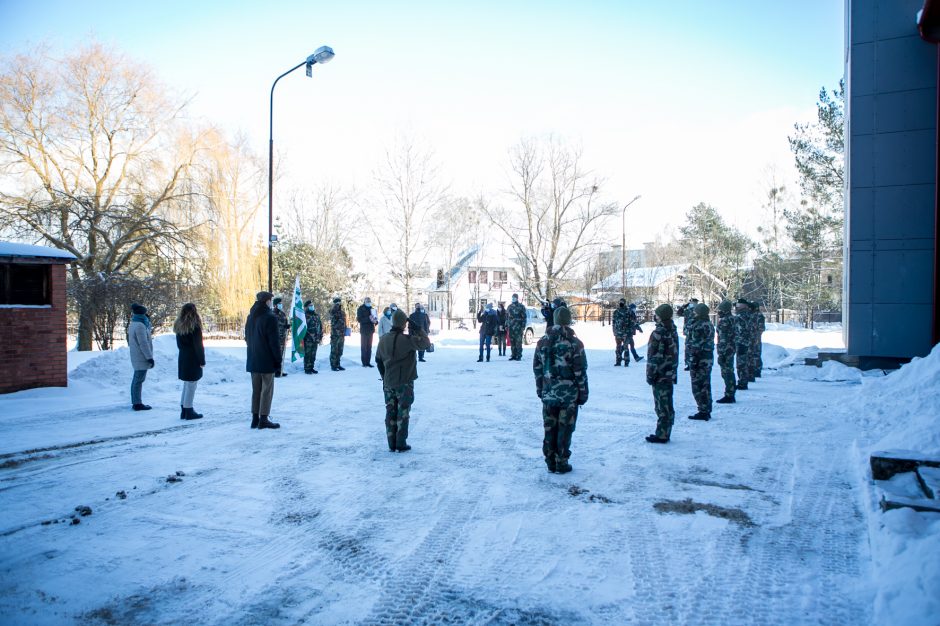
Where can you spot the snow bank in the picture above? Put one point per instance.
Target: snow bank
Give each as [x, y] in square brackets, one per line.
[830, 372]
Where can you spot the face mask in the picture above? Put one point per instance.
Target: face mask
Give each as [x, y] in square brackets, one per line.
[515, 300]
[394, 308]
[420, 309]
[310, 308]
[388, 314]
[280, 307]
[368, 305]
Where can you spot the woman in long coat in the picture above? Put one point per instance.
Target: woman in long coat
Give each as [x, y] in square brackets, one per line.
[192, 358]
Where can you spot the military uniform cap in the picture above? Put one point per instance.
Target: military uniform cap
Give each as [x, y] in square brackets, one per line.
[664, 312]
[562, 316]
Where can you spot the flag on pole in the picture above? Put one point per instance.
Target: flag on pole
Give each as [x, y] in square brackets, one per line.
[298, 323]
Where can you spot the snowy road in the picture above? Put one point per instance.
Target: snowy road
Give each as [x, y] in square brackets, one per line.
[752, 518]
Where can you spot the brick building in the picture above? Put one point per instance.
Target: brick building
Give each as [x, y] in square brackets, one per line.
[33, 339]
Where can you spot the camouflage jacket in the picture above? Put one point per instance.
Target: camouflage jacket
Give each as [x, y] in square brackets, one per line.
[725, 333]
[688, 314]
[337, 319]
[742, 328]
[662, 354]
[761, 325]
[283, 324]
[314, 325]
[560, 368]
[700, 341]
[621, 322]
[516, 317]
[634, 322]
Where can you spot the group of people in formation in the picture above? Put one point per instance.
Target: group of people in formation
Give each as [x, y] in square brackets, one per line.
[559, 363]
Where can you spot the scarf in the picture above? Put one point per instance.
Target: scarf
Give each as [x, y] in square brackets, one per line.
[143, 319]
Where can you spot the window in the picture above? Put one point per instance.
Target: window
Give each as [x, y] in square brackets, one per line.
[472, 277]
[483, 277]
[24, 284]
[440, 278]
[500, 279]
[829, 279]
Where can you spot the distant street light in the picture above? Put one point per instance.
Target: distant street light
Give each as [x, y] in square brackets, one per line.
[623, 250]
[321, 55]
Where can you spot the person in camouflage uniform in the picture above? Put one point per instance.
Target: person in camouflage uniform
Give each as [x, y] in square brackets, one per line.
[516, 319]
[688, 314]
[561, 383]
[312, 338]
[633, 326]
[662, 363]
[701, 347]
[726, 349]
[337, 334]
[395, 358]
[283, 327]
[759, 327]
[742, 342]
[621, 325]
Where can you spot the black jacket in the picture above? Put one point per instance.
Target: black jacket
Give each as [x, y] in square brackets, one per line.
[501, 314]
[192, 355]
[488, 322]
[261, 333]
[419, 320]
[364, 317]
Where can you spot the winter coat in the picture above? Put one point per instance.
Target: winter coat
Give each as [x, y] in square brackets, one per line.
[364, 317]
[395, 357]
[621, 322]
[314, 326]
[385, 325]
[560, 368]
[419, 319]
[489, 321]
[662, 354]
[516, 317]
[261, 333]
[140, 344]
[192, 355]
[337, 320]
[283, 324]
[501, 315]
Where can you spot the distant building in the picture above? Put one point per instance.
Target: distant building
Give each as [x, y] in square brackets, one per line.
[663, 283]
[33, 331]
[474, 280]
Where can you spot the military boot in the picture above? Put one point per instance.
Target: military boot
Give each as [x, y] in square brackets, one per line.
[742, 384]
[254, 420]
[726, 400]
[655, 439]
[562, 466]
[701, 416]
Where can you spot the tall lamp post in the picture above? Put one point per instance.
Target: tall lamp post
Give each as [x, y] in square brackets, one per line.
[321, 55]
[623, 248]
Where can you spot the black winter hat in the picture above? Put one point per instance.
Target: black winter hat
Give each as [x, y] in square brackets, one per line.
[336, 300]
[138, 309]
[308, 303]
[278, 300]
[743, 301]
[623, 301]
[263, 296]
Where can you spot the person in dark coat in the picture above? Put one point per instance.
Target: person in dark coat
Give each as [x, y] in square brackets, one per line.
[367, 321]
[419, 320]
[192, 357]
[264, 358]
[283, 328]
[489, 321]
[501, 329]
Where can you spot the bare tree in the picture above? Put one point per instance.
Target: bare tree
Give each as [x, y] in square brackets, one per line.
[454, 231]
[554, 220]
[409, 190]
[88, 142]
[320, 216]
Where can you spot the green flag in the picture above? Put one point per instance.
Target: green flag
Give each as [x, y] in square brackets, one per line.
[298, 324]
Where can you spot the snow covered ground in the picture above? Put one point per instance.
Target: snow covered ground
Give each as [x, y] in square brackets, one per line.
[764, 515]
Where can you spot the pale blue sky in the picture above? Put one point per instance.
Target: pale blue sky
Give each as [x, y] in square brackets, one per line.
[680, 101]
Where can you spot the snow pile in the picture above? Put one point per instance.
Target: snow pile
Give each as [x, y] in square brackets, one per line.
[829, 372]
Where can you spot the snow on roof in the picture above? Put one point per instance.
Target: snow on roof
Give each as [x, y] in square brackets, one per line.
[469, 259]
[649, 277]
[8, 248]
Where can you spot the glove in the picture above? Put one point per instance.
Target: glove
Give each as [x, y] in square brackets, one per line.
[150, 362]
[582, 398]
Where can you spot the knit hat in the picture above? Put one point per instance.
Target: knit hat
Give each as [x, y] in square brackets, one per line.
[623, 301]
[308, 303]
[399, 319]
[664, 312]
[336, 300]
[278, 300]
[632, 306]
[724, 306]
[138, 309]
[701, 310]
[743, 301]
[263, 296]
[562, 316]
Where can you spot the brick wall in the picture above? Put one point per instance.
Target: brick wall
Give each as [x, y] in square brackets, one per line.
[33, 342]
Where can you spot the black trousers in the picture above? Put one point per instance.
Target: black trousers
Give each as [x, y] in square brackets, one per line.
[366, 348]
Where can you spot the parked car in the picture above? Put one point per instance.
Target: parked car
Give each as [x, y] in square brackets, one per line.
[534, 325]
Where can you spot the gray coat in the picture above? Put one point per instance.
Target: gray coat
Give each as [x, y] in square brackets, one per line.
[385, 325]
[140, 344]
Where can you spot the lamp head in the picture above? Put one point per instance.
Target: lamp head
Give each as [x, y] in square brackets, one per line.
[321, 55]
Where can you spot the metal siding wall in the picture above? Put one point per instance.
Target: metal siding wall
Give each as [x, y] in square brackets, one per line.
[891, 149]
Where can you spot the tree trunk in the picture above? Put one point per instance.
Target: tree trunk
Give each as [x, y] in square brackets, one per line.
[86, 329]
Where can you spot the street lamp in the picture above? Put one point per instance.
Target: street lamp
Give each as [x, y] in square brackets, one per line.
[623, 248]
[321, 55]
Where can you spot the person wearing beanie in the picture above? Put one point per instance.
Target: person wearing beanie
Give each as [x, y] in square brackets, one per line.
[633, 325]
[620, 324]
[367, 322]
[489, 321]
[743, 341]
[264, 358]
[419, 319]
[140, 348]
[337, 334]
[700, 345]
[312, 337]
[395, 358]
[561, 383]
[725, 349]
[516, 318]
[688, 315]
[662, 363]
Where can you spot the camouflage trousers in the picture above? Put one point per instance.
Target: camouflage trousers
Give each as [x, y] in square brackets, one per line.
[726, 363]
[743, 362]
[515, 342]
[665, 413]
[398, 403]
[686, 356]
[700, 370]
[756, 363]
[310, 354]
[336, 348]
[619, 347]
[559, 424]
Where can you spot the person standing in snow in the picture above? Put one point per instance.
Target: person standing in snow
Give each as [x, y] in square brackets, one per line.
[560, 368]
[742, 341]
[192, 357]
[488, 322]
[312, 337]
[140, 346]
[758, 327]
[688, 314]
[264, 358]
[700, 344]
[385, 322]
[725, 351]
[419, 320]
[337, 334]
[395, 358]
[501, 329]
[620, 324]
[367, 321]
[516, 318]
[662, 361]
[283, 328]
